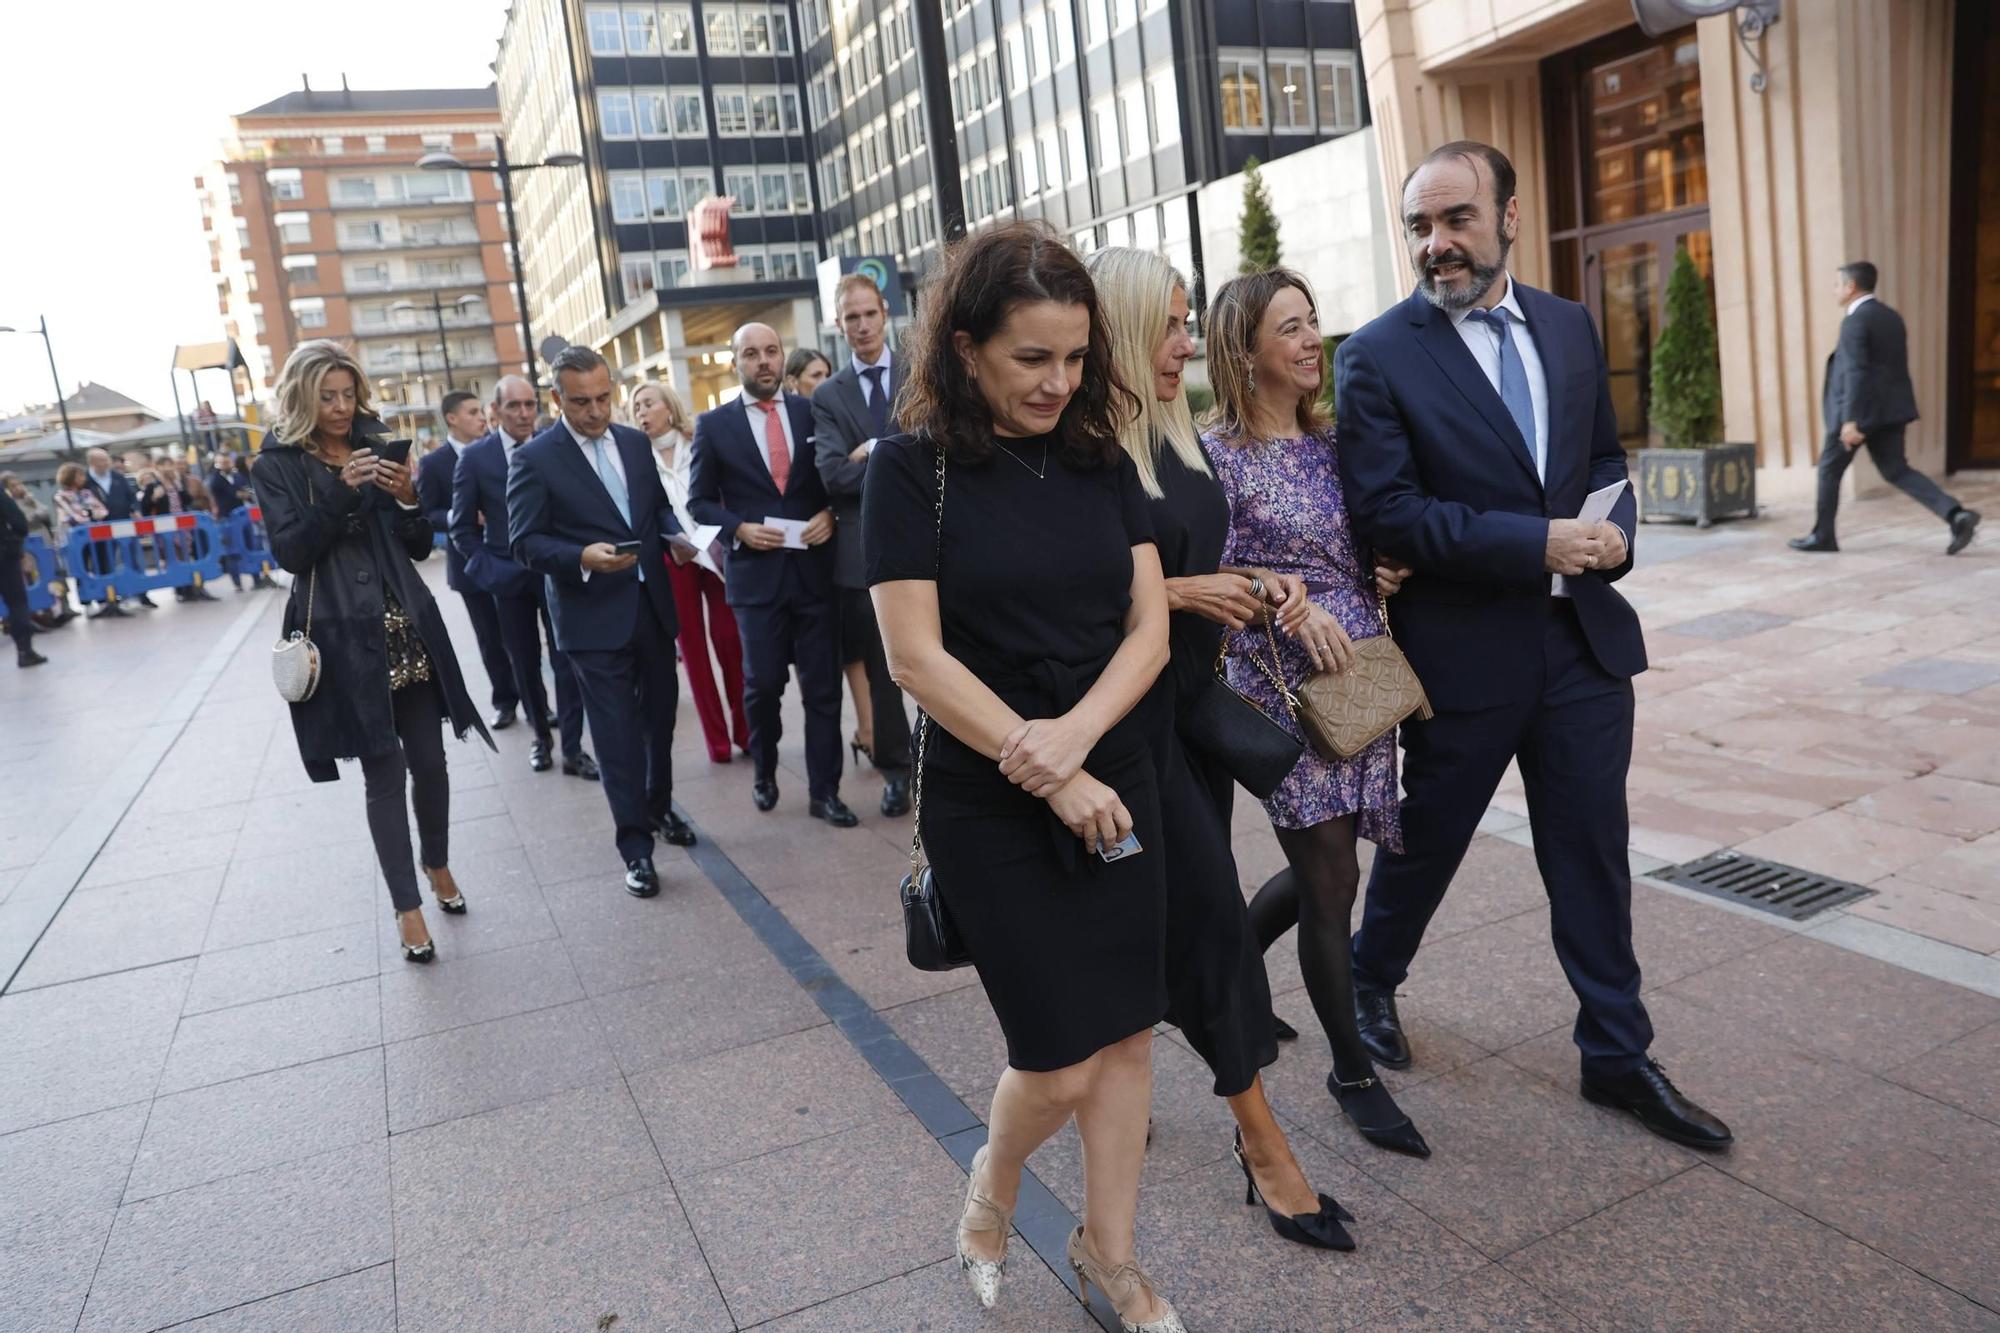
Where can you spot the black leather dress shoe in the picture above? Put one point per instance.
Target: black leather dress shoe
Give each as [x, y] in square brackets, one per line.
[502, 719]
[833, 811]
[1648, 1093]
[896, 795]
[641, 880]
[580, 765]
[674, 830]
[1381, 1026]
[764, 792]
[1811, 542]
[1963, 523]
[28, 657]
[538, 757]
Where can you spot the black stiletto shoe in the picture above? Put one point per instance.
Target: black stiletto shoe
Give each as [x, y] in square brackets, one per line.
[1282, 1030]
[1400, 1136]
[454, 906]
[415, 953]
[1321, 1230]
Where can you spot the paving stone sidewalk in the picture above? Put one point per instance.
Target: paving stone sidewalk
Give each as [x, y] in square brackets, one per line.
[229, 1105]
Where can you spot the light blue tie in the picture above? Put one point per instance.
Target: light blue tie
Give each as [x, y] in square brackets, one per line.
[1514, 390]
[609, 476]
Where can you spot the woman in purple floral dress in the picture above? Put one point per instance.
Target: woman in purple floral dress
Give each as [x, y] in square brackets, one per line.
[1273, 451]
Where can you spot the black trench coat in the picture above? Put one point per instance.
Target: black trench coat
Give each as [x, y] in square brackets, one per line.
[344, 546]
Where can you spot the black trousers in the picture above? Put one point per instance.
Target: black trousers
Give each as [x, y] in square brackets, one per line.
[803, 630]
[1574, 743]
[861, 641]
[523, 621]
[14, 594]
[630, 695]
[485, 617]
[1886, 448]
[417, 763]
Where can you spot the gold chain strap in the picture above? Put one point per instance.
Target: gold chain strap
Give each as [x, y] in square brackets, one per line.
[312, 586]
[1270, 672]
[924, 718]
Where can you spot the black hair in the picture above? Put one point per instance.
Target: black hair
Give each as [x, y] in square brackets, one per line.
[1467, 150]
[1861, 273]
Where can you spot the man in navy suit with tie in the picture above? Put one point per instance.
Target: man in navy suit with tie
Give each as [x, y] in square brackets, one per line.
[586, 510]
[753, 463]
[1475, 418]
[462, 420]
[479, 536]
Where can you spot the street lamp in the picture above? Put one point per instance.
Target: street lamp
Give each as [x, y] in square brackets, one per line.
[445, 161]
[42, 328]
[437, 310]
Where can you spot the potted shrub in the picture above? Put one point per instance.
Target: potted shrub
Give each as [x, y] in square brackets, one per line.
[1693, 474]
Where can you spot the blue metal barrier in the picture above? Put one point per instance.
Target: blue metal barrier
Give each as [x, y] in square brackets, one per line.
[127, 557]
[244, 540]
[44, 579]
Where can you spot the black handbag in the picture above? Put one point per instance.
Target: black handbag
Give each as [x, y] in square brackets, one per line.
[929, 938]
[1235, 733]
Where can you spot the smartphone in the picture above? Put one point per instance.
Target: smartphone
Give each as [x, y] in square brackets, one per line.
[396, 451]
[1129, 847]
[627, 548]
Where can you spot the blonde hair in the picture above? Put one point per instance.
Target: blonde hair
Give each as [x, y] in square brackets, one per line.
[677, 412]
[297, 394]
[1233, 317]
[1136, 288]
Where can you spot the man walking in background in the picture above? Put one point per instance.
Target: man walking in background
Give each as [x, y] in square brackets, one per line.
[1868, 400]
[462, 419]
[13, 587]
[851, 411]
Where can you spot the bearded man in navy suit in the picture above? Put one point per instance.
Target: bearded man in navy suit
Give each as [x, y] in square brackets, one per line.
[1475, 418]
[585, 509]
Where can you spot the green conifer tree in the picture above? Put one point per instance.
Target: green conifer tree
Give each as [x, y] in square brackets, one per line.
[1259, 225]
[1687, 372]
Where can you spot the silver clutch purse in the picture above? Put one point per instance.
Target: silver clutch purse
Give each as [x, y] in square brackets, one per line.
[295, 658]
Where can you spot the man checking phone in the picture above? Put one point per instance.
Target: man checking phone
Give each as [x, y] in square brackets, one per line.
[585, 509]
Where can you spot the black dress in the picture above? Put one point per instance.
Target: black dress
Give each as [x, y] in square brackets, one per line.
[1033, 587]
[1218, 993]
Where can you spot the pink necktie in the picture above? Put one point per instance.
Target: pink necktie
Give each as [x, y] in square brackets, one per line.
[774, 440]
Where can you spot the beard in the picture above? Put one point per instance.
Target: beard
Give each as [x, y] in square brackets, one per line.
[1480, 278]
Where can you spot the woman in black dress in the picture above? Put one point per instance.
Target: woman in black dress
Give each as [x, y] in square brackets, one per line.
[345, 523]
[1218, 994]
[1022, 606]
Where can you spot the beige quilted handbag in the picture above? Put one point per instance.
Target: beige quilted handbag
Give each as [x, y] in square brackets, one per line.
[1343, 712]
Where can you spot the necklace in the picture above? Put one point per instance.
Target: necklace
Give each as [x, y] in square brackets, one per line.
[1039, 472]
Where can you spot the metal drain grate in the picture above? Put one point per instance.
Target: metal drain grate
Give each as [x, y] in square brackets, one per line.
[1781, 890]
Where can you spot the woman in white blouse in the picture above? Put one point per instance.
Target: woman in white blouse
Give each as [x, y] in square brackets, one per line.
[697, 585]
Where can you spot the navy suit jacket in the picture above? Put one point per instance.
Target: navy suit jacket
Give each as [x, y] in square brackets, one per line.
[729, 485]
[478, 528]
[433, 481]
[557, 505]
[1437, 474]
[120, 498]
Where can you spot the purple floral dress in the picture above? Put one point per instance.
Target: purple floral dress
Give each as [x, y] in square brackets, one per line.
[1287, 514]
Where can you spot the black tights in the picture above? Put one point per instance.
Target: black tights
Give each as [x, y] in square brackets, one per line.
[1323, 864]
[418, 759]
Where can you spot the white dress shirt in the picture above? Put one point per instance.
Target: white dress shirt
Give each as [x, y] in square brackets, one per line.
[1482, 342]
[676, 476]
[755, 416]
[1858, 301]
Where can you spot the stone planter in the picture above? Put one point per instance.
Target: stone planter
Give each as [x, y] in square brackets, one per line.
[1719, 481]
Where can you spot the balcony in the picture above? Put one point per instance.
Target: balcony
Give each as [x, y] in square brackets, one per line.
[390, 286]
[383, 328]
[379, 201]
[411, 241]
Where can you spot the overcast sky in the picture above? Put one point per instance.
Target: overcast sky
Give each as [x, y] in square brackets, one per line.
[108, 112]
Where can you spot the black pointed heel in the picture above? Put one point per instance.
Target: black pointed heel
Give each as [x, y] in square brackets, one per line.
[1400, 1136]
[1321, 1230]
[1282, 1030]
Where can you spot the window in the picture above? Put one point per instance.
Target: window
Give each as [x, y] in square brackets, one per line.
[642, 31]
[354, 189]
[1096, 22]
[695, 187]
[663, 198]
[1291, 95]
[677, 30]
[819, 100]
[1242, 93]
[1104, 125]
[1017, 60]
[781, 32]
[774, 189]
[332, 145]
[1132, 120]
[378, 143]
[628, 196]
[1076, 160]
[1166, 123]
[285, 184]
[1031, 176]
[801, 191]
[235, 188]
[673, 268]
[812, 19]
[654, 120]
[614, 114]
[721, 30]
[1048, 158]
[301, 268]
[1062, 33]
[1038, 46]
[743, 186]
[368, 275]
[1123, 15]
[437, 143]
[1336, 90]
[689, 120]
[764, 111]
[361, 235]
[756, 31]
[732, 111]
[636, 274]
[310, 312]
[605, 36]
[294, 228]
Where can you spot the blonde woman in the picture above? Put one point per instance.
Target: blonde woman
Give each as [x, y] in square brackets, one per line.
[1272, 448]
[698, 590]
[1218, 994]
[343, 519]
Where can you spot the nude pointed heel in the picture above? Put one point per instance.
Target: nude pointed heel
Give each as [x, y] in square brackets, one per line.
[982, 1215]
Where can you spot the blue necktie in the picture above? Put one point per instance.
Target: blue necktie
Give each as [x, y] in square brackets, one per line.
[1513, 378]
[609, 476]
[878, 400]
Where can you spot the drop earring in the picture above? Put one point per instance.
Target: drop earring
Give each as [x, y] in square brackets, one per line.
[1253, 381]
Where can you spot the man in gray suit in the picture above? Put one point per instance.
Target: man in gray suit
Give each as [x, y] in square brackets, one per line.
[851, 411]
[1868, 400]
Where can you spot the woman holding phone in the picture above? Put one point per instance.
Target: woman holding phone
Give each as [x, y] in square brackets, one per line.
[342, 514]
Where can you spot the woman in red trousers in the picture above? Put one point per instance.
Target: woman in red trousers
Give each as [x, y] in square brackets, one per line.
[698, 583]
